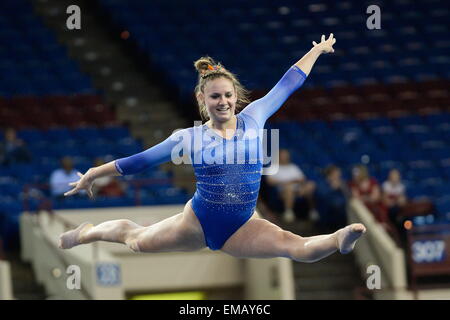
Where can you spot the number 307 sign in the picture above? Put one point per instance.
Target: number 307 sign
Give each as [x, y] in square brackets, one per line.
[428, 251]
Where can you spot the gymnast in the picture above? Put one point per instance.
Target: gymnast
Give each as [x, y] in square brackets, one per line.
[221, 214]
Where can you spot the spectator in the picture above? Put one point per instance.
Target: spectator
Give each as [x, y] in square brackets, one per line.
[13, 150]
[394, 197]
[291, 183]
[60, 178]
[368, 190]
[395, 201]
[107, 186]
[331, 199]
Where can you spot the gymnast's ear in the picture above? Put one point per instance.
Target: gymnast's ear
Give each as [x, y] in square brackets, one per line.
[200, 98]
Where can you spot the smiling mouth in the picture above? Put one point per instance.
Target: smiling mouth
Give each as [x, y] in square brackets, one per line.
[223, 109]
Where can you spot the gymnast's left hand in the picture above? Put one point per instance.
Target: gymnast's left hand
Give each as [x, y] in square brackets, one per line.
[325, 46]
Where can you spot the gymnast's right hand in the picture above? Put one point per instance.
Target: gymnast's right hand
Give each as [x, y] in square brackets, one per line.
[85, 183]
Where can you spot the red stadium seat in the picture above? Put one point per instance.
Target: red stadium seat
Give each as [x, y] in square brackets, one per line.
[100, 114]
[438, 95]
[43, 122]
[86, 101]
[398, 87]
[345, 91]
[375, 90]
[434, 85]
[70, 116]
[348, 99]
[295, 112]
[322, 100]
[423, 105]
[378, 97]
[314, 93]
[4, 103]
[367, 110]
[40, 118]
[306, 116]
[9, 117]
[395, 109]
[54, 102]
[24, 103]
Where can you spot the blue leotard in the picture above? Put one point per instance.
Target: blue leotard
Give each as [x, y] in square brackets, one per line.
[228, 171]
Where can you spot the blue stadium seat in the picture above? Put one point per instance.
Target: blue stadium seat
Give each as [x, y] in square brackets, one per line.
[115, 133]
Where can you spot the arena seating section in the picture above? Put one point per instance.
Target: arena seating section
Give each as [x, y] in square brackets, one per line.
[258, 40]
[57, 112]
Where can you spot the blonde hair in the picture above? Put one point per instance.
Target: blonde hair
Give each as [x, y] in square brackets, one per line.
[363, 172]
[209, 70]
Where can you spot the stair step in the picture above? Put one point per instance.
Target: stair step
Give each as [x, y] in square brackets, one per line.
[326, 282]
[317, 269]
[23, 281]
[335, 257]
[332, 278]
[325, 295]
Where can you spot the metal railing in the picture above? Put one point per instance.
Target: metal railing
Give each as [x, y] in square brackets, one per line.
[60, 256]
[46, 202]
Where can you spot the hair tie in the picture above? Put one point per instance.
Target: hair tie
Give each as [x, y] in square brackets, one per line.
[204, 73]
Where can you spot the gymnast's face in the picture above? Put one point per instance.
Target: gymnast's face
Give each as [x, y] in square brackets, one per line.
[220, 99]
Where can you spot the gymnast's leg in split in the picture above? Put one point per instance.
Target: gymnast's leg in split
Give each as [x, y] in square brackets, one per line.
[259, 238]
[181, 232]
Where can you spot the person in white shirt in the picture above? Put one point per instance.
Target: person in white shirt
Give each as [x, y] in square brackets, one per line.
[60, 178]
[291, 183]
[394, 192]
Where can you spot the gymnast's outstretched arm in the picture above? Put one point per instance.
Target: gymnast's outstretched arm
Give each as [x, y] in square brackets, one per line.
[139, 162]
[260, 110]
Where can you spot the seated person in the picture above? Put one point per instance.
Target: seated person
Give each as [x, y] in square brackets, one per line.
[367, 189]
[13, 150]
[291, 183]
[331, 199]
[107, 186]
[395, 201]
[394, 194]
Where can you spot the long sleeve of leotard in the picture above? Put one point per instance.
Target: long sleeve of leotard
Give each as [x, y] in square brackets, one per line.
[260, 110]
[158, 154]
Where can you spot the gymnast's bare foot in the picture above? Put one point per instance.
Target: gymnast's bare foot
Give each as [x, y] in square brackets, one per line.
[71, 238]
[347, 237]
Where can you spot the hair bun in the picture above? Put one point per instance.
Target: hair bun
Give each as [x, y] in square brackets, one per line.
[204, 64]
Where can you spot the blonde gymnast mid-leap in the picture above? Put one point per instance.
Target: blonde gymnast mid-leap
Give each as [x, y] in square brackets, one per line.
[221, 215]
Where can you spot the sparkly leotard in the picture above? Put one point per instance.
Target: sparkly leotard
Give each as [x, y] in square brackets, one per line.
[228, 171]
